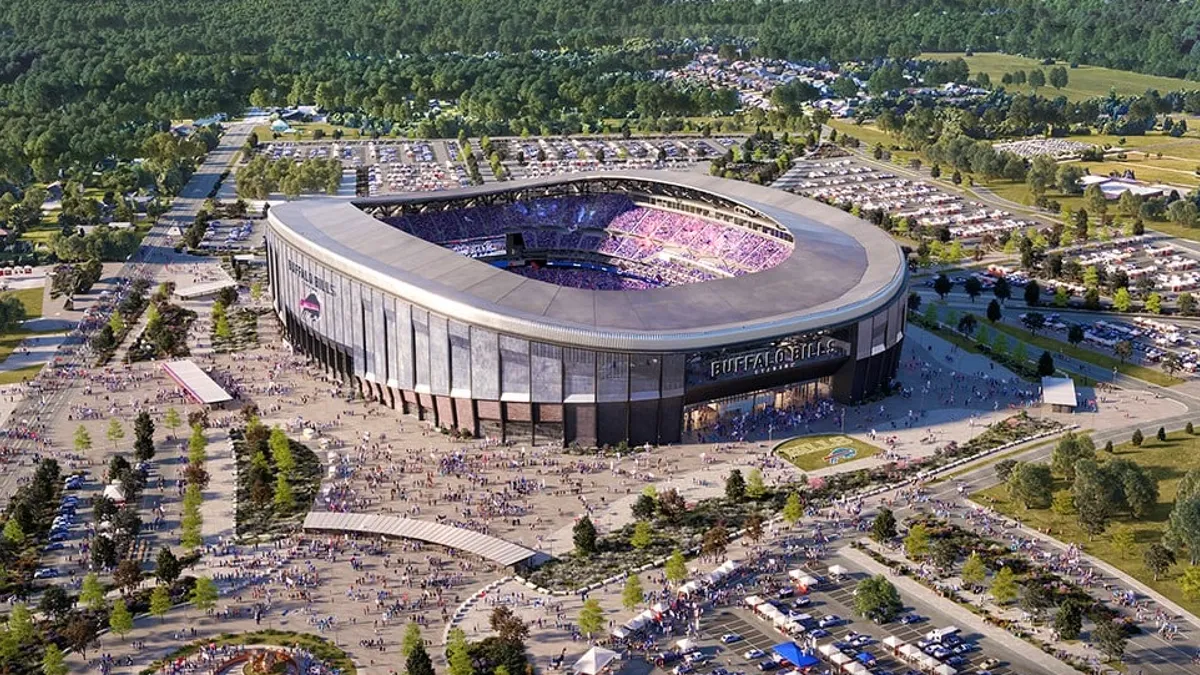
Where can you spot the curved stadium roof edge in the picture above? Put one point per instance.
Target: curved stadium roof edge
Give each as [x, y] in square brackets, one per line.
[841, 269]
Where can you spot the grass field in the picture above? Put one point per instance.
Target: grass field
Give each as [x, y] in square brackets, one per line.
[1167, 462]
[810, 453]
[1083, 82]
[1152, 375]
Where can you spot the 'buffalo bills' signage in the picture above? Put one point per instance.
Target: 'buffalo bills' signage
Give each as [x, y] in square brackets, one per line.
[311, 279]
[775, 358]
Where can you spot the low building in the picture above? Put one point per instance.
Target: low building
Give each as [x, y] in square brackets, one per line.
[1059, 394]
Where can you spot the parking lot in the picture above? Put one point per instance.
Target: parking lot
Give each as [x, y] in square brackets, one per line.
[831, 598]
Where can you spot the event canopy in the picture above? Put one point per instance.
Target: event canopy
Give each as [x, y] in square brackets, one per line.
[910, 652]
[659, 607]
[686, 644]
[791, 652]
[945, 670]
[753, 601]
[893, 642]
[620, 632]
[594, 661]
[689, 588]
[838, 570]
[828, 649]
[839, 658]
[929, 662]
[855, 668]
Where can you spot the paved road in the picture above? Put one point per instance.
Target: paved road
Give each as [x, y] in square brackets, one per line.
[41, 406]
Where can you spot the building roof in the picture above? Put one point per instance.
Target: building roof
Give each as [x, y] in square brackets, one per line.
[841, 269]
[1059, 391]
[196, 382]
[483, 545]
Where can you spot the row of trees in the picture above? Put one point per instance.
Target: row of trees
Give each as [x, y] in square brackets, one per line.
[261, 177]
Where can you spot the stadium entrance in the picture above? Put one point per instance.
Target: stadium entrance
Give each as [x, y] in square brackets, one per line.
[735, 410]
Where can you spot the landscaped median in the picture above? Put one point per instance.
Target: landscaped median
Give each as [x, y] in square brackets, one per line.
[320, 648]
[1095, 358]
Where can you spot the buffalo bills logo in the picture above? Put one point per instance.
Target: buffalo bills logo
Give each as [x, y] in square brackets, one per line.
[310, 307]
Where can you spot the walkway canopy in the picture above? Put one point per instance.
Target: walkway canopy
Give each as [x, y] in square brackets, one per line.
[482, 545]
[196, 382]
[203, 290]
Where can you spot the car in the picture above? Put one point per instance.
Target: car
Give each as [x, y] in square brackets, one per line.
[965, 647]
[841, 646]
[719, 671]
[940, 653]
[786, 592]
[951, 640]
[46, 573]
[862, 641]
[54, 546]
[803, 601]
[956, 660]
[911, 618]
[697, 658]
[929, 649]
[989, 663]
[683, 669]
[767, 665]
[753, 654]
[828, 621]
[819, 633]
[729, 638]
[59, 535]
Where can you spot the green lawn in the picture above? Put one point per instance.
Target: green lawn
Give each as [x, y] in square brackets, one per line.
[31, 298]
[20, 375]
[1152, 375]
[1083, 82]
[1167, 462]
[810, 453]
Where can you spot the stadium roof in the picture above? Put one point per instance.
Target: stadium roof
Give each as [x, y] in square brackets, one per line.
[841, 269]
[482, 545]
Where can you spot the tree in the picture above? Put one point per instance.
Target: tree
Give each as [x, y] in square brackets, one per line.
[974, 572]
[128, 575]
[53, 661]
[1110, 638]
[166, 566]
[755, 488]
[1158, 559]
[754, 531]
[55, 602]
[973, 287]
[1045, 366]
[631, 595]
[966, 325]
[993, 311]
[1004, 586]
[508, 626]
[120, 620]
[172, 421]
[676, 568]
[1068, 621]
[1186, 302]
[591, 617]
[14, 534]
[883, 528]
[644, 507]
[115, 432]
[457, 657]
[916, 542]
[1071, 448]
[281, 452]
[1122, 301]
[1002, 290]
[1004, 468]
[204, 594]
[1062, 503]
[1154, 303]
[91, 593]
[418, 662]
[944, 553]
[197, 444]
[1137, 438]
[715, 541]
[83, 440]
[735, 486]
[160, 601]
[1094, 496]
[876, 598]
[1034, 321]
[412, 638]
[942, 286]
[1031, 484]
[584, 536]
[793, 509]
[143, 437]
[285, 498]
[1124, 541]
[1033, 294]
[643, 535]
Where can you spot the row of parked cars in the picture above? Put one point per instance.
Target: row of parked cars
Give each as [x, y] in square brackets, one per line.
[60, 528]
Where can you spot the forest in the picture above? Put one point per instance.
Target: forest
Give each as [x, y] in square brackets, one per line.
[85, 83]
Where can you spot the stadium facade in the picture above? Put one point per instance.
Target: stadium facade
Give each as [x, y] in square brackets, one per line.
[785, 302]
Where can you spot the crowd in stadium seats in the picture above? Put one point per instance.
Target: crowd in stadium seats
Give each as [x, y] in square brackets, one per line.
[676, 247]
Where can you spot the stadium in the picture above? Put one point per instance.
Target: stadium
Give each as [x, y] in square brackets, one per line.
[593, 309]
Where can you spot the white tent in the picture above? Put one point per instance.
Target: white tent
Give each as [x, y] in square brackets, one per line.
[929, 663]
[838, 570]
[855, 668]
[795, 574]
[635, 623]
[839, 658]
[945, 670]
[115, 491]
[753, 601]
[689, 588]
[910, 652]
[647, 615]
[686, 644]
[779, 620]
[659, 607]
[594, 661]
[807, 581]
[728, 566]
[620, 632]
[892, 642]
[828, 649]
